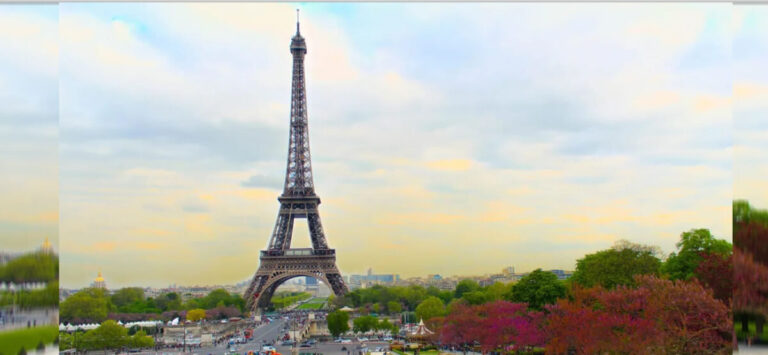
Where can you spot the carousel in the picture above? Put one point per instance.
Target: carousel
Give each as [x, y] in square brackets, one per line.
[420, 336]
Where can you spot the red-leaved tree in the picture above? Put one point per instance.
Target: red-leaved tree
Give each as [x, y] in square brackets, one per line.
[494, 325]
[713, 272]
[658, 316]
[750, 279]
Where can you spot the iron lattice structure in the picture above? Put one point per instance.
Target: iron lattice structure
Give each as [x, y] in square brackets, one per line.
[279, 262]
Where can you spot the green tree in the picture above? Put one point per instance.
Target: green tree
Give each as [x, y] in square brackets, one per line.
[465, 286]
[497, 291]
[338, 323]
[683, 264]
[32, 267]
[108, 336]
[169, 302]
[394, 307]
[89, 304]
[537, 289]
[613, 267]
[476, 297]
[141, 340]
[444, 295]
[126, 296]
[364, 324]
[430, 307]
[216, 296]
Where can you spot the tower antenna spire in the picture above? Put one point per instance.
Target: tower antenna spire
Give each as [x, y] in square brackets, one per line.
[297, 20]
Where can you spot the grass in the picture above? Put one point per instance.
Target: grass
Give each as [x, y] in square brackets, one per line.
[311, 306]
[12, 341]
[315, 303]
[741, 334]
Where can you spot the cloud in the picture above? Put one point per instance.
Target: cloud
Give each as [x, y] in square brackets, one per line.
[263, 181]
[175, 117]
[28, 126]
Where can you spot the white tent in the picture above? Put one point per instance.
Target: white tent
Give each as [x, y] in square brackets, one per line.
[346, 309]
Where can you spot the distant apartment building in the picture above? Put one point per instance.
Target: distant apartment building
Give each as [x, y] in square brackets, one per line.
[562, 274]
[371, 279]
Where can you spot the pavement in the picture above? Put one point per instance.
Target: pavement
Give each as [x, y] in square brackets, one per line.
[751, 350]
[24, 318]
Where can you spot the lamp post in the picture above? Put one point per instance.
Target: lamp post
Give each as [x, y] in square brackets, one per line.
[184, 342]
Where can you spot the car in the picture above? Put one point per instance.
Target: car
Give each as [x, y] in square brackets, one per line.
[311, 341]
[343, 348]
[268, 348]
[387, 339]
[337, 340]
[305, 345]
[287, 342]
[362, 339]
[346, 341]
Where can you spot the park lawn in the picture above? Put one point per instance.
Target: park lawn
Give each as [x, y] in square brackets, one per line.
[12, 341]
[741, 334]
[311, 306]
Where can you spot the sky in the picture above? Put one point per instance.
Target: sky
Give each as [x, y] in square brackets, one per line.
[28, 127]
[455, 139]
[750, 92]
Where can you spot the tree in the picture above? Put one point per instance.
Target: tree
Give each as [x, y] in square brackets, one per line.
[613, 267]
[752, 237]
[126, 296]
[168, 302]
[465, 286]
[338, 323]
[507, 323]
[537, 289]
[195, 315]
[495, 325]
[86, 305]
[658, 316]
[31, 267]
[712, 272]
[496, 291]
[141, 340]
[430, 307]
[394, 307]
[364, 324]
[461, 326]
[682, 265]
[476, 297]
[108, 336]
[750, 292]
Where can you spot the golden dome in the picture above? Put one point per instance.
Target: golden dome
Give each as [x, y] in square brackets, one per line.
[46, 247]
[99, 278]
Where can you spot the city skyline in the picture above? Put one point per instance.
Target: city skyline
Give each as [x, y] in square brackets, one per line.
[436, 149]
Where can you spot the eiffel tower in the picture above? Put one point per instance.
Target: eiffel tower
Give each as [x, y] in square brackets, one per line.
[280, 262]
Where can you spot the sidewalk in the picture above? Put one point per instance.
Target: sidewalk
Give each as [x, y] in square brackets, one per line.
[754, 349]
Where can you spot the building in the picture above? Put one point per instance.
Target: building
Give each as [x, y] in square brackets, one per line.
[562, 274]
[99, 282]
[370, 279]
[46, 248]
